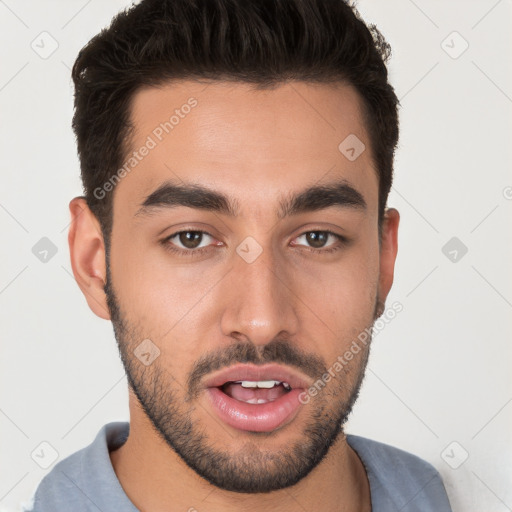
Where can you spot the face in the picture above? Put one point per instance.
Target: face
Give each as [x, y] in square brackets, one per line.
[244, 262]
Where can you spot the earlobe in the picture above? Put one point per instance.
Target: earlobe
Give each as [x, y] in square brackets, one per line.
[388, 252]
[87, 252]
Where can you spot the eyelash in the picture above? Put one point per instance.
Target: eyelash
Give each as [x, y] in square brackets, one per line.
[197, 252]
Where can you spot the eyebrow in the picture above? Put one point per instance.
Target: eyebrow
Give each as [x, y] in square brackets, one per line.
[318, 197]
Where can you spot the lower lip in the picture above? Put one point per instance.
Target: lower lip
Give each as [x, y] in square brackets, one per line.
[255, 417]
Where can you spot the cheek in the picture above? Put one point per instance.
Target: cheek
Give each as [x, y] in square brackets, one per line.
[340, 301]
[167, 303]
[140, 278]
[345, 290]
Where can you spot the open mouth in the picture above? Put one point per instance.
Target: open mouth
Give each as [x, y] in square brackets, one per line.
[255, 398]
[255, 392]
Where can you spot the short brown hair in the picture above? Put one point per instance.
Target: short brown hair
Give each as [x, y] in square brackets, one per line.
[264, 42]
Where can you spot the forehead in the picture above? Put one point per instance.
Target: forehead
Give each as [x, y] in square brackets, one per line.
[256, 144]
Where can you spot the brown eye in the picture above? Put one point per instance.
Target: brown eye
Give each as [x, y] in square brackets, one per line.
[317, 239]
[190, 239]
[321, 241]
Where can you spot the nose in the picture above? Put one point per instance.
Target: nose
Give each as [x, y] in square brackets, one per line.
[260, 303]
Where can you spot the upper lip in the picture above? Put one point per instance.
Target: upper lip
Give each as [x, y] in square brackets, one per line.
[256, 373]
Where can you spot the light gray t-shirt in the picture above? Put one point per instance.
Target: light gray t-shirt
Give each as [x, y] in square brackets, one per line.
[85, 481]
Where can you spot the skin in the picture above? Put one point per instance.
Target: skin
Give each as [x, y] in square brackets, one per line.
[256, 147]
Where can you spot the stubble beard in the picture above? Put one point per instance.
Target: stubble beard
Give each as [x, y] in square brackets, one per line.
[252, 468]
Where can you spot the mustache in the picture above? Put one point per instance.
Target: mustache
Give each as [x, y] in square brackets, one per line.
[276, 351]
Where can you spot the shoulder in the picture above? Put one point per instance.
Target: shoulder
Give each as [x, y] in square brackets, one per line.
[60, 485]
[75, 482]
[398, 479]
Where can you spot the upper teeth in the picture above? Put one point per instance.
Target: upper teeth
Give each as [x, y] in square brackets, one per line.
[261, 383]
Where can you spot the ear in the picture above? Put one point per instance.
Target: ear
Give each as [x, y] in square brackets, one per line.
[388, 252]
[87, 251]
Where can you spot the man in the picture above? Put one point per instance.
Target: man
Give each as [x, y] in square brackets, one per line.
[236, 159]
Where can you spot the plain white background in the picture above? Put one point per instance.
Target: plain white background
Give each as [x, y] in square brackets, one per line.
[439, 382]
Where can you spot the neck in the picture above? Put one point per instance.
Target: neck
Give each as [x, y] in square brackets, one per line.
[153, 476]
